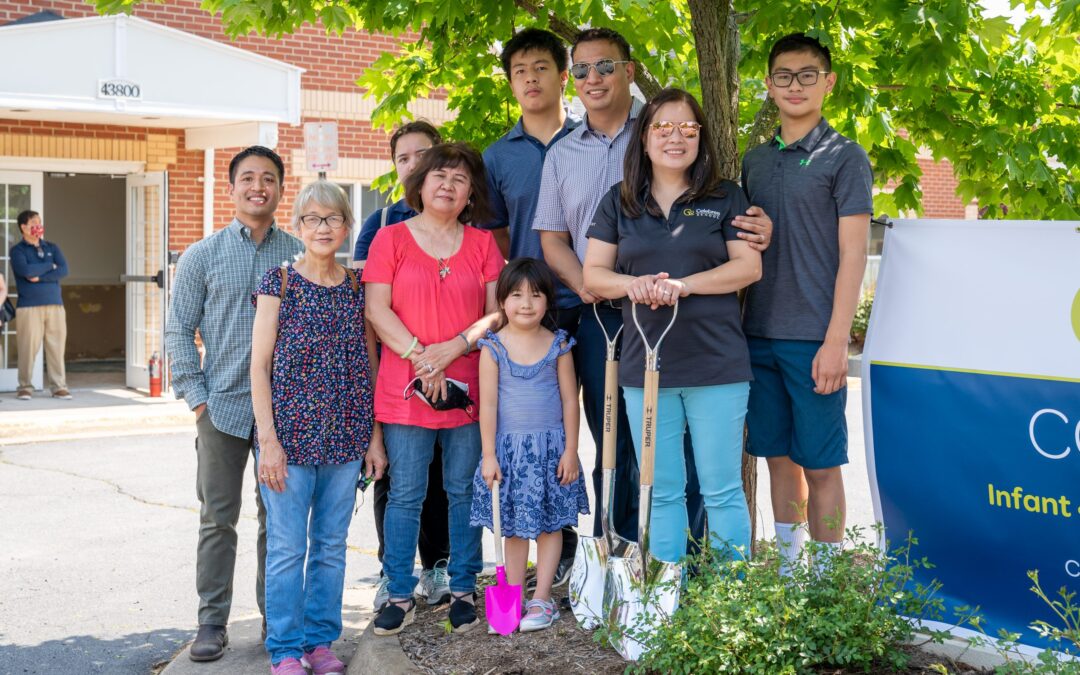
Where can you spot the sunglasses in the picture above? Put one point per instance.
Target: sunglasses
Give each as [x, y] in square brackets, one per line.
[664, 128]
[604, 67]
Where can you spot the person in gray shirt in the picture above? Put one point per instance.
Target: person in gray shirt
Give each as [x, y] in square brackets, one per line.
[817, 186]
[212, 293]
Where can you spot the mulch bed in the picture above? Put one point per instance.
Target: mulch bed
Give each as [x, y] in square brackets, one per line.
[563, 648]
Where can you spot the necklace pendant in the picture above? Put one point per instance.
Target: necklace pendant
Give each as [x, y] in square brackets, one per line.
[443, 271]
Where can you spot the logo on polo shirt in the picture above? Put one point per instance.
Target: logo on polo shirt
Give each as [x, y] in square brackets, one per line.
[804, 162]
[702, 213]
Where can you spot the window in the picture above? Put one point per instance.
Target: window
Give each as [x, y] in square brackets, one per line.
[363, 204]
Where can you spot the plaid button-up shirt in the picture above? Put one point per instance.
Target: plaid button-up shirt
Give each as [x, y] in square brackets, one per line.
[212, 291]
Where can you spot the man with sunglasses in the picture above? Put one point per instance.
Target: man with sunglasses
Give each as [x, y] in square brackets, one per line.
[535, 64]
[817, 185]
[578, 171]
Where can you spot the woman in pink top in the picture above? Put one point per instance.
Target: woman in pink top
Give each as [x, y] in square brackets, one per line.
[430, 284]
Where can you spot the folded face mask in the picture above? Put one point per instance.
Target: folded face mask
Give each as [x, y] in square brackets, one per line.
[457, 395]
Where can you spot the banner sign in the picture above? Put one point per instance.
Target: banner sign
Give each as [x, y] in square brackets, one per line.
[971, 409]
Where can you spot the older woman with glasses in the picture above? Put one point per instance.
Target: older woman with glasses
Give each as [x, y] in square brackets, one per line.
[431, 294]
[313, 367]
[662, 236]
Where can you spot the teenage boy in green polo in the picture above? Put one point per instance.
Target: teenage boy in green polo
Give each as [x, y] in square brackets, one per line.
[816, 185]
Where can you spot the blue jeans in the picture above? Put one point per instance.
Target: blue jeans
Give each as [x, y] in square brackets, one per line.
[715, 416]
[410, 450]
[309, 519]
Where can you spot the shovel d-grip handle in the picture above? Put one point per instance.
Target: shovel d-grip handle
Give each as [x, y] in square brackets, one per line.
[496, 521]
[651, 394]
[611, 394]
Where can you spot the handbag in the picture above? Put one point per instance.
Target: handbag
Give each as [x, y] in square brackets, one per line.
[7, 311]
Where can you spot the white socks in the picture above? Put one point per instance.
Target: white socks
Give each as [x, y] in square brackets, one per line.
[790, 538]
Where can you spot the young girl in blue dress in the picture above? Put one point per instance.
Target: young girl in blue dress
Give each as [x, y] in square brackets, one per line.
[529, 429]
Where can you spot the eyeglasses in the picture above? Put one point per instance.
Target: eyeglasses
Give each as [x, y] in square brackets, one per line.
[806, 78]
[664, 128]
[604, 67]
[312, 221]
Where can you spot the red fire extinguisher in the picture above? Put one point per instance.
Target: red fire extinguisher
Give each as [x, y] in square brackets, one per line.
[155, 375]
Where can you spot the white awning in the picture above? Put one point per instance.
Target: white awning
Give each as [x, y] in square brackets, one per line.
[128, 71]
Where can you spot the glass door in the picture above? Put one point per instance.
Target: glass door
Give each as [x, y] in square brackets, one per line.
[146, 278]
[19, 191]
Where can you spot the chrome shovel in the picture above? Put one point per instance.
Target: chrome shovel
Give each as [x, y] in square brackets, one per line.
[587, 577]
[644, 591]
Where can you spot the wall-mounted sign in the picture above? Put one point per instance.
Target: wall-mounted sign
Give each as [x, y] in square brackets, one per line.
[321, 146]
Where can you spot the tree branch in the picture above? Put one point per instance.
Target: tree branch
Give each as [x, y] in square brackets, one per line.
[764, 126]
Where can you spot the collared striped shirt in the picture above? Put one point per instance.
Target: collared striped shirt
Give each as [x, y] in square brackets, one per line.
[212, 292]
[578, 171]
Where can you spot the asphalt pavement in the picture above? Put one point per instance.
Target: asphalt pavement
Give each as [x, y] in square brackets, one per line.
[98, 533]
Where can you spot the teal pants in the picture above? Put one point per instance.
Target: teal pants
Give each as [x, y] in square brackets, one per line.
[715, 416]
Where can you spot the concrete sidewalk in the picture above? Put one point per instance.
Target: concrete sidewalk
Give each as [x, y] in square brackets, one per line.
[100, 406]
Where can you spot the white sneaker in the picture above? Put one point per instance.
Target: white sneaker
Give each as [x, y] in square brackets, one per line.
[434, 586]
[382, 593]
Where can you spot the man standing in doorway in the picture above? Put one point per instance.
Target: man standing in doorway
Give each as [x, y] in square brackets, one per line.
[212, 293]
[535, 63]
[38, 267]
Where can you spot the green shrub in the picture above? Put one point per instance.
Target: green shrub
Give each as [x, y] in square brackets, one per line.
[744, 617]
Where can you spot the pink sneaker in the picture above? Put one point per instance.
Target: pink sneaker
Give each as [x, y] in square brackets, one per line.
[289, 666]
[323, 662]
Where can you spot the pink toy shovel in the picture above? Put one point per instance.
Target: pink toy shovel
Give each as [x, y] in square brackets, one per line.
[503, 600]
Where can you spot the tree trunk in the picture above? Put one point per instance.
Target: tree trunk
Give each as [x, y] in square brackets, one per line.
[716, 37]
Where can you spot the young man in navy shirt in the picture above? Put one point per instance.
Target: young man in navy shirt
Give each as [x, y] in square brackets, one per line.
[535, 63]
[817, 186]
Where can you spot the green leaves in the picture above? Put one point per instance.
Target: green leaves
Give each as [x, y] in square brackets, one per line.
[1001, 104]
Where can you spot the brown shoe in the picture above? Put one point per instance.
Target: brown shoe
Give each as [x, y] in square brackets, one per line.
[62, 393]
[24, 395]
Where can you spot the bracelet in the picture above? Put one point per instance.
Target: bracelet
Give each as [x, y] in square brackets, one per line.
[412, 346]
[468, 346]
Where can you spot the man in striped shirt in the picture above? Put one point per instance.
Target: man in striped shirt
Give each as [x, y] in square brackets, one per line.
[212, 292]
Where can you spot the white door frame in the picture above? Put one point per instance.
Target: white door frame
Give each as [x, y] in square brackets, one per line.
[145, 275]
[9, 377]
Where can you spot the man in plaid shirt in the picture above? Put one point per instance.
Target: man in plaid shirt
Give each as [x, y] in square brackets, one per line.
[212, 292]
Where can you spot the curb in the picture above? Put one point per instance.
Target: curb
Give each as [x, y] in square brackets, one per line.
[381, 655]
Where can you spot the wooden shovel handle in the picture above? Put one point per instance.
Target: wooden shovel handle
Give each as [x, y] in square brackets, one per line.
[611, 411]
[496, 520]
[648, 425]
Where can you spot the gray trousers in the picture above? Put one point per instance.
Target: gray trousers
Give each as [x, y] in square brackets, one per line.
[219, 484]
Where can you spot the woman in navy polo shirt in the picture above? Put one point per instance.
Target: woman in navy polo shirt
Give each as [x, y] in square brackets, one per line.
[665, 235]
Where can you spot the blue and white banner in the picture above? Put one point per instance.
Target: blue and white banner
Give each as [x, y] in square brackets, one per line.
[971, 408]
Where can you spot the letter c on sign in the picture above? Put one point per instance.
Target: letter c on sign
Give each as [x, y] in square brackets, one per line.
[1031, 433]
[1072, 568]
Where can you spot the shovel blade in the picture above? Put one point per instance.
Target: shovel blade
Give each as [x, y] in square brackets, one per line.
[640, 601]
[587, 581]
[502, 604]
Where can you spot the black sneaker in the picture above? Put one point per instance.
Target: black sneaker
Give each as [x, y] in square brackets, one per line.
[393, 617]
[463, 613]
[562, 572]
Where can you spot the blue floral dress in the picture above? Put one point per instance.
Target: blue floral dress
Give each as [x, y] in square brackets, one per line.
[320, 381]
[529, 443]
